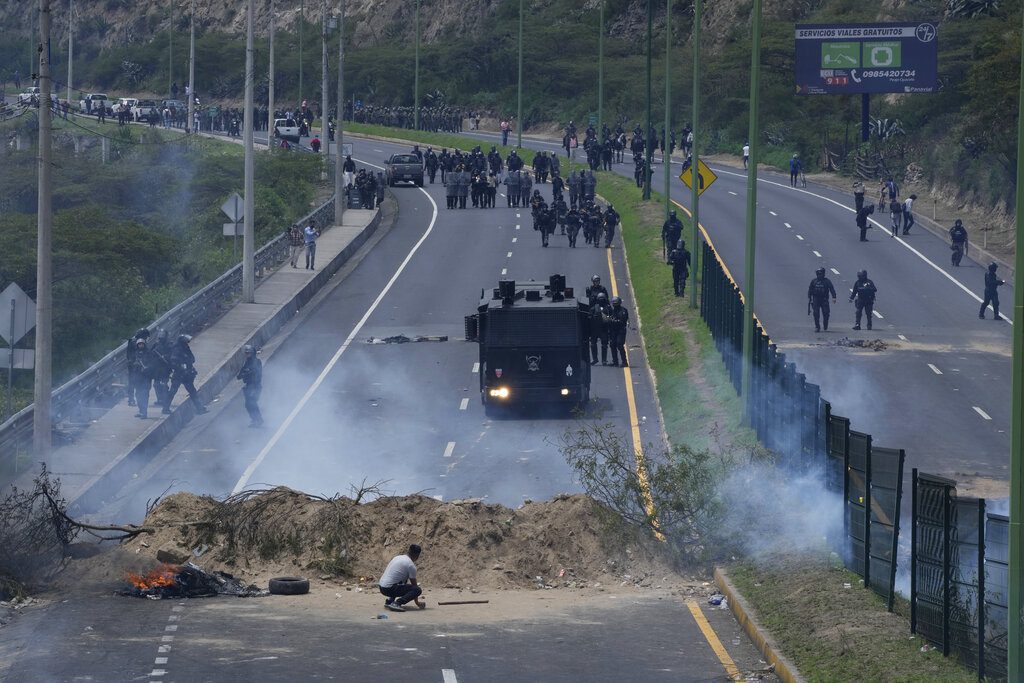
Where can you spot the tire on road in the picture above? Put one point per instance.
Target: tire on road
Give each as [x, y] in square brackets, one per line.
[289, 585]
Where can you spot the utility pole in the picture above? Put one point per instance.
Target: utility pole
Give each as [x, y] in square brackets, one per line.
[649, 147]
[192, 70]
[519, 108]
[751, 251]
[270, 84]
[666, 155]
[695, 251]
[326, 147]
[1015, 601]
[41, 422]
[249, 236]
[339, 190]
[302, 19]
[71, 45]
[416, 80]
[600, 71]
[170, 53]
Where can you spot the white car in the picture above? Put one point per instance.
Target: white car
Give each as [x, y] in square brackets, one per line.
[30, 96]
[286, 129]
[142, 108]
[93, 101]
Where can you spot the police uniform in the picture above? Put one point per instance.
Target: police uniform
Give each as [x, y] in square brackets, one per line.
[818, 293]
[863, 296]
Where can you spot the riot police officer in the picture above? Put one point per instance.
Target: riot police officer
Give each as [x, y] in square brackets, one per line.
[679, 259]
[251, 374]
[183, 373]
[992, 285]
[161, 365]
[818, 293]
[599, 314]
[863, 296]
[671, 231]
[131, 351]
[611, 221]
[618, 320]
[572, 224]
[595, 289]
[958, 242]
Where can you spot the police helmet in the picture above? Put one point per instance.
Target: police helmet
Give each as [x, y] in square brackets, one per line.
[616, 301]
[958, 223]
[249, 349]
[862, 274]
[162, 334]
[596, 279]
[601, 296]
[820, 272]
[672, 213]
[610, 207]
[142, 333]
[992, 267]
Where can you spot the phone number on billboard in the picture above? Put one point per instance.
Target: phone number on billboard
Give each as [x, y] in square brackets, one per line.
[889, 73]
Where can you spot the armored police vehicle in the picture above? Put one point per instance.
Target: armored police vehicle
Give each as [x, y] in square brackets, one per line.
[533, 344]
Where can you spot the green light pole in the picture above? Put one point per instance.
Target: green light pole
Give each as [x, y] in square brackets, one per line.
[302, 18]
[519, 107]
[695, 252]
[416, 87]
[600, 73]
[649, 147]
[1015, 602]
[748, 313]
[666, 156]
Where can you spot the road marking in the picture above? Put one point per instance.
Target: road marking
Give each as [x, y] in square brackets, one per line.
[514, 239]
[464, 404]
[160, 660]
[261, 456]
[876, 223]
[800, 237]
[979, 411]
[773, 213]
[517, 226]
[518, 216]
[733, 193]
[714, 642]
[376, 150]
[476, 367]
[449, 676]
[817, 253]
[834, 271]
[634, 422]
[877, 314]
[157, 672]
[166, 639]
[901, 337]
[508, 255]
[163, 649]
[449, 449]
[935, 369]
[787, 225]
[172, 628]
[504, 271]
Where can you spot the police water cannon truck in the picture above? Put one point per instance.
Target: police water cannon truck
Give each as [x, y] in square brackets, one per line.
[533, 344]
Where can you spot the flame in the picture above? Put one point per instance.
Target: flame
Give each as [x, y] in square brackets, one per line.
[157, 578]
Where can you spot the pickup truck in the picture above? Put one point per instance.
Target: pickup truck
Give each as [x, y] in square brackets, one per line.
[30, 96]
[404, 167]
[286, 129]
[142, 108]
[92, 102]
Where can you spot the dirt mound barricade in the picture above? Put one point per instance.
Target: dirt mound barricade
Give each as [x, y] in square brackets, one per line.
[567, 541]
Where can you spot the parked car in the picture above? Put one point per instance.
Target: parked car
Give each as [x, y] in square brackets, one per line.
[286, 129]
[142, 108]
[30, 96]
[406, 167]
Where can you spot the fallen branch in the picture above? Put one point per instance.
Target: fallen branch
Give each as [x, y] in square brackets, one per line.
[464, 602]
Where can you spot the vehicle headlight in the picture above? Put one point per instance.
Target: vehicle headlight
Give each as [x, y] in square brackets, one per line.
[500, 392]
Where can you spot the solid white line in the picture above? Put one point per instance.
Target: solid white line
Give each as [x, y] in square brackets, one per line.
[800, 237]
[449, 676]
[251, 469]
[508, 255]
[901, 337]
[449, 449]
[773, 213]
[787, 225]
[979, 411]
[935, 369]
[817, 253]
[504, 271]
[876, 223]
[834, 271]
[876, 314]
[464, 404]
[476, 367]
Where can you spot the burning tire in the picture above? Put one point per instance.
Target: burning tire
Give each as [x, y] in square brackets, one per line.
[289, 585]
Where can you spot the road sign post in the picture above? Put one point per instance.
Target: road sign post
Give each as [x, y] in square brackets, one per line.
[234, 209]
[705, 176]
[12, 329]
[695, 250]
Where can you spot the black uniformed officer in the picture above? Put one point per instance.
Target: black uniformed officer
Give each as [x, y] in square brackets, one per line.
[595, 289]
[671, 231]
[957, 242]
[618, 320]
[992, 285]
[161, 365]
[130, 353]
[611, 221]
[599, 311]
[818, 293]
[679, 259]
[251, 375]
[572, 224]
[863, 296]
[183, 373]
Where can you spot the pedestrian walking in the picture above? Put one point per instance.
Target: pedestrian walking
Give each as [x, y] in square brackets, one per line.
[908, 213]
[679, 259]
[141, 378]
[818, 293]
[183, 373]
[795, 167]
[310, 235]
[992, 285]
[895, 216]
[399, 584]
[296, 244]
[251, 375]
[863, 296]
[611, 221]
[746, 154]
[958, 242]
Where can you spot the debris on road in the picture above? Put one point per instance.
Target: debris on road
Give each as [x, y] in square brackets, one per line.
[402, 339]
[187, 581]
[870, 344]
[463, 602]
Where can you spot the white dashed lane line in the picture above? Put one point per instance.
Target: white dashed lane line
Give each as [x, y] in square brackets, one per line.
[508, 255]
[504, 271]
[800, 237]
[733, 193]
[517, 226]
[449, 676]
[834, 271]
[979, 411]
[901, 337]
[773, 213]
[787, 225]
[449, 449]
[376, 150]
[935, 369]
[817, 253]
[514, 240]
[464, 404]
[877, 314]
[476, 367]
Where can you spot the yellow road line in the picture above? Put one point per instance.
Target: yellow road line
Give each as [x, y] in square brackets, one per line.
[714, 642]
[634, 423]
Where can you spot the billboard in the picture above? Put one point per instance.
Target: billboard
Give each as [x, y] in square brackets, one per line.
[844, 59]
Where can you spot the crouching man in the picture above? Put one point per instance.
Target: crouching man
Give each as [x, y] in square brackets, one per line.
[398, 582]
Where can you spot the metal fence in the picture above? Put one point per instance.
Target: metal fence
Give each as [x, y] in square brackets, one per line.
[87, 396]
[959, 554]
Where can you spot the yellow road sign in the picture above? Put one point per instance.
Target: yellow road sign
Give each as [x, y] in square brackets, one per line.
[705, 176]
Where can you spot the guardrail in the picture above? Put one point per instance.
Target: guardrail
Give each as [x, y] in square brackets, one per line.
[93, 392]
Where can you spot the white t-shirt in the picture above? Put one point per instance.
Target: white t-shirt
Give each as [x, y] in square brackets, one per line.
[400, 569]
[908, 205]
[746, 150]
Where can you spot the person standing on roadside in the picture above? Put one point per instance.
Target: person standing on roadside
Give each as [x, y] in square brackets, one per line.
[746, 154]
[504, 132]
[310, 235]
[398, 583]
[858, 195]
[795, 166]
[992, 285]
[251, 375]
